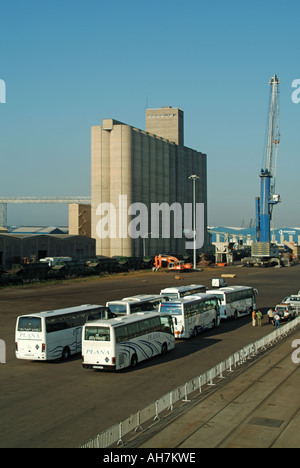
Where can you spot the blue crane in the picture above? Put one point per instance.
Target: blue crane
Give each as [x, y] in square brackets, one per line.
[268, 198]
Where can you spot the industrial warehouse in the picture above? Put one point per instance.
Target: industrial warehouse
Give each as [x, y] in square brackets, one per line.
[30, 248]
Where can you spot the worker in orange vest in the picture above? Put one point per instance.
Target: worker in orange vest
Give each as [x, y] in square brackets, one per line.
[254, 318]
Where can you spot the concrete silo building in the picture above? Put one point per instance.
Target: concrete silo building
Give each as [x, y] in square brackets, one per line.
[141, 192]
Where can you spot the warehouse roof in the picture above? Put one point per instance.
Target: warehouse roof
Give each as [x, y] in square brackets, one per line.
[38, 230]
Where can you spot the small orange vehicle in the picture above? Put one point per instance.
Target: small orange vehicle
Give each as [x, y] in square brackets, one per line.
[172, 263]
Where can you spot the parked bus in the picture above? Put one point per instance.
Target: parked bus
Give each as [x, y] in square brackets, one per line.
[177, 292]
[134, 304]
[236, 301]
[124, 341]
[56, 333]
[193, 314]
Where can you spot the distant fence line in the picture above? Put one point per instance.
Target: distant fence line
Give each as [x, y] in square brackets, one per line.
[116, 433]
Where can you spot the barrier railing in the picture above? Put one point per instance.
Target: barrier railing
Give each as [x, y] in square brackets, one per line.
[116, 433]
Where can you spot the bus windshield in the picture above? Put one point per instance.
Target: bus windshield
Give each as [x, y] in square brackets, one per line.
[118, 308]
[171, 295]
[172, 309]
[97, 333]
[32, 324]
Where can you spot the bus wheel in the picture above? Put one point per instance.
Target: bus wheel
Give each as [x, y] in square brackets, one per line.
[164, 349]
[134, 361]
[66, 353]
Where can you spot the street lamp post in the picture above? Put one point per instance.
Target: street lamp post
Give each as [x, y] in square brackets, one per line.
[194, 177]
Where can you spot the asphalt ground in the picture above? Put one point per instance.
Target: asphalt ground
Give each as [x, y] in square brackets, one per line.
[256, 407]
[59, 404]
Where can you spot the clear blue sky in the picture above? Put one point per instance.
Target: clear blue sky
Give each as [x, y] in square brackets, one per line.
[68, 64]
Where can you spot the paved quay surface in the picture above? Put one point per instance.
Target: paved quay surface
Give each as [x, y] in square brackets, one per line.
[260, 408]
[28, 389]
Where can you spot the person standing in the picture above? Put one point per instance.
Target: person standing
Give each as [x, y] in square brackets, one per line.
[276, 321]
[259, 318]
[270, 315]
[286, 315]
[254, 318]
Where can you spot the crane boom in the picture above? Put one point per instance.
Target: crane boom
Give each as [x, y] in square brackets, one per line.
[273, 132]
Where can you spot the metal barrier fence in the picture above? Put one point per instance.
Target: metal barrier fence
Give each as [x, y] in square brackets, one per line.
[151, 412]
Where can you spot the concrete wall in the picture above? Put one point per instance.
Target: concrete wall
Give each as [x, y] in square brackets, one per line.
[111, 177]
[80, 220]
[166, 122]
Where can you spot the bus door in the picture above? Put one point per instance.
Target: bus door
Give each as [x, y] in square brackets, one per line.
[204, 318]
[200, 321]
[209, 314]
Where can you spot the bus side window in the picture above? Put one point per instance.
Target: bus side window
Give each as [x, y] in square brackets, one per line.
[95, 315]
[134, 308]
[144, 326]
[121, 334]
[154, 324]
[133, 330]
[54, 324]
[77, 320]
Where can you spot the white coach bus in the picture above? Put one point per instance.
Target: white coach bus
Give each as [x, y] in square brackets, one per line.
[236, 301]
[178, 292]
[124, 341]
[134, 304]
[54, 334]
[193, 314]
